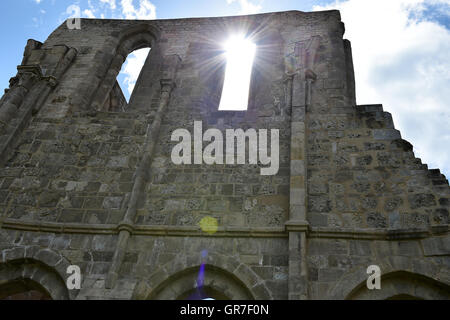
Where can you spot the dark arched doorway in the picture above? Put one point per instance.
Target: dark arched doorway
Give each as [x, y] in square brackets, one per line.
[29, 279]
[23, 289]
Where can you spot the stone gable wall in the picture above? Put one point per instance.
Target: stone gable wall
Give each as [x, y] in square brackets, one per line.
[86, 186]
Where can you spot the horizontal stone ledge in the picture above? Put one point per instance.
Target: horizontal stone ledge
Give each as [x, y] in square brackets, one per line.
[76, 228]
[257, 232]
[55, 227]
[242, 232]
[369, 233]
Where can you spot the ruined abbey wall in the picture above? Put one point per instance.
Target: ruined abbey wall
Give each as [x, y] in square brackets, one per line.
[87, 180]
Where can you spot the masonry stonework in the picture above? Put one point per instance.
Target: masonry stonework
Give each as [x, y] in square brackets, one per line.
[87, 179]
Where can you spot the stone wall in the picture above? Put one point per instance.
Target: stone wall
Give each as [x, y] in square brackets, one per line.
[87, 179]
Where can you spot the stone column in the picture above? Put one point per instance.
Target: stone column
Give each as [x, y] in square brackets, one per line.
[26, 78]
[297, 226]
[125, 227]
[300, 85]
[29, 91]
[108, 82]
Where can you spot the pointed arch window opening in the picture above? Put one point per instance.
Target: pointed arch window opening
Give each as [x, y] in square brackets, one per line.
[131, 71]
[240, 54]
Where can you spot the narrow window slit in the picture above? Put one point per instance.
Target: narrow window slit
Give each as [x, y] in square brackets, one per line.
[240, 53]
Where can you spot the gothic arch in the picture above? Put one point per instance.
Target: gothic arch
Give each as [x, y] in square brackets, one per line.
[400, 276]
[23, 289]
[223, 274]
[403, 285]
[37, 266]
[137, 37]
[218, 284]
[131, 39]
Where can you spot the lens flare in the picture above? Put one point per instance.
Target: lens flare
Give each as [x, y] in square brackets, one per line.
[199, 293]
[209, 225]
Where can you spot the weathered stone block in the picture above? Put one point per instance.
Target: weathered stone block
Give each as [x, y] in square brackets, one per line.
[112, 202]
[376, 220]
[436, 246]
[297, 168]
[421, 200]
[386, 134]
[319, 204]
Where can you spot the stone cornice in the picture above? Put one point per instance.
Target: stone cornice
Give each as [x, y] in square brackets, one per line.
[244, 232]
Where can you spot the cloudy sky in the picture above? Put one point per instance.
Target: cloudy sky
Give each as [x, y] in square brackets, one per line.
[401, 50]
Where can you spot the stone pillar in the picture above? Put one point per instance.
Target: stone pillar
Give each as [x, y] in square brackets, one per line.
[31, 45]
[26, 78]
[351, 93]
[29, 91]
[297, 226]
[108, 82]
[125, 227]
[336, 85]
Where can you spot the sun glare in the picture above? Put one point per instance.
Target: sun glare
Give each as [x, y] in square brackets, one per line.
[240, 53]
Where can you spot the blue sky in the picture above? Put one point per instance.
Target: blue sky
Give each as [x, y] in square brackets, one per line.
[401, 50]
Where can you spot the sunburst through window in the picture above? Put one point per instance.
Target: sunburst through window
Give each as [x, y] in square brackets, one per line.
[240, 53]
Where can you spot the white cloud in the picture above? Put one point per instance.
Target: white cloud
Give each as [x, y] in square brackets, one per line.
[246, 7]
[89, 13]
[112, 3]
[402, 60]
[74, 11]
[146, 11]
[133, 66]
